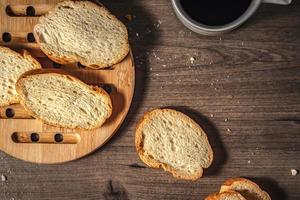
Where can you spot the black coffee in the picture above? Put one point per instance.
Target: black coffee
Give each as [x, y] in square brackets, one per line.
[215, 12]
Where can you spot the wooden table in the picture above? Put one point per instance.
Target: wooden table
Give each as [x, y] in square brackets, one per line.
[243, 88]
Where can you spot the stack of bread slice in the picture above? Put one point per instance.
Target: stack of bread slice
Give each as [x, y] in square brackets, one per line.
[239, 189]
[74, 31]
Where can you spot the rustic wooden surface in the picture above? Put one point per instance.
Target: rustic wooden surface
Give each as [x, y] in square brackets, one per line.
[243, 88]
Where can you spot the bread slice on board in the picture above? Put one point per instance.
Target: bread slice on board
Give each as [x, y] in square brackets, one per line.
[169, 139]
[63, 100]
[249, 189]
[12, 66]
[82, 31]
[227, 195]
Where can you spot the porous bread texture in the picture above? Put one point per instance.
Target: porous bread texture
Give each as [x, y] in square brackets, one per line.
[169, 139]
[82, 31]
[12, 66]
[249, 189]
[227, 195]
[63, 100]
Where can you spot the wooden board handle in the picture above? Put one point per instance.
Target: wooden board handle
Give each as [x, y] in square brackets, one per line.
[49, 138]
[28, 10]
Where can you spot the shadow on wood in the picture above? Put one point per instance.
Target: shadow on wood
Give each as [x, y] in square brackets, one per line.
[115, 191]
[220, 156]
[139, 46]
[271, 187]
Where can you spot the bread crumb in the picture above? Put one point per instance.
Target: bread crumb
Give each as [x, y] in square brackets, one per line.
[164, 66]
[249, 161]
[3, 178]
[159, 22]
[192, 59]
[228, 130]
[128, 17]
[225, 120]
[294, 172]
[155, 56]
[211, 115]
[137, 34]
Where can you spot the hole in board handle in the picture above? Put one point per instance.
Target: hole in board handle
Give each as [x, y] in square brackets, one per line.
[30, 37]
[10, 113]
[58, 137]
[9, 11]
[34, 137]
[6, 37]
[30, 11]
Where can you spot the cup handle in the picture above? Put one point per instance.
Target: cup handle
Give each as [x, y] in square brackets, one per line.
[282, 2]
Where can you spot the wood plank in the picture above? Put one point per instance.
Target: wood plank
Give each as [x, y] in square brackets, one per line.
[260, 100]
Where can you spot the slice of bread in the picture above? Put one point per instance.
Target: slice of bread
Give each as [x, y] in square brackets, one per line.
[227, 195]
[249, 189]
[171, 140]
[12, 66]
[63, 100]
[82, 31]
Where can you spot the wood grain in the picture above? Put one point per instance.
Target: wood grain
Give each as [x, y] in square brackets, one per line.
[251, 87]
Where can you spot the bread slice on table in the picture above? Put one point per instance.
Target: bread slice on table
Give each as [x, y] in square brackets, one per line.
[12, 66]
[227, 195]
[169, 139]
[82, 31]
[62, 100]
[249, 189]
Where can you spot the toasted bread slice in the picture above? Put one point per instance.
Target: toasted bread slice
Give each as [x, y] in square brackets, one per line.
[63, 100]
[82, 31]
[227, 195]
[249, 189]
[12, 66]
[171, 140]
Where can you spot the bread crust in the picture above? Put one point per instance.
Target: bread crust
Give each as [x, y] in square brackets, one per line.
[228, 183]
[57, 72]
[75, 59]
[26, 55]
[229, 193]
[151, 162]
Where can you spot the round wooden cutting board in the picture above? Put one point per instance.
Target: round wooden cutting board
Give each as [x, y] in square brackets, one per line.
[31, 140]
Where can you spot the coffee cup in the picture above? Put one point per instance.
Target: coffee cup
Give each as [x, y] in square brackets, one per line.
[208, 29]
